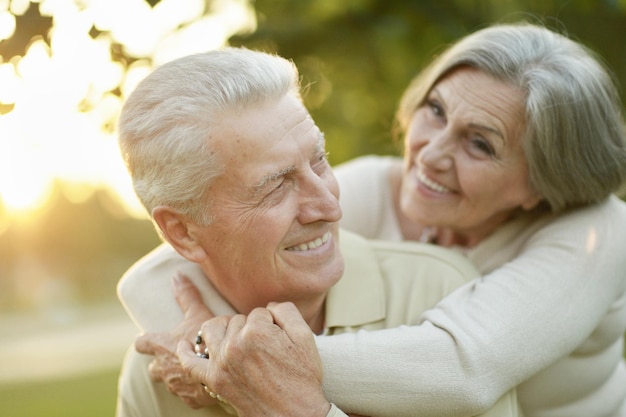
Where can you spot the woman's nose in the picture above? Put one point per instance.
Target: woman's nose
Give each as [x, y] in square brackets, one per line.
[437, 152]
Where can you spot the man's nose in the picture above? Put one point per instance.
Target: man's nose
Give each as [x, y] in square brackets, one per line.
[319, 200]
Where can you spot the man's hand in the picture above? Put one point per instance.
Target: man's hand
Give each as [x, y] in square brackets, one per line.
[166, 367]
[265, 364]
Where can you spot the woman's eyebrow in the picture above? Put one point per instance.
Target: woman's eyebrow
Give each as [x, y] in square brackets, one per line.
[488, 129]
[476, 126]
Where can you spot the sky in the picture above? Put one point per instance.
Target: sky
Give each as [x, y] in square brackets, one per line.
[66, 91]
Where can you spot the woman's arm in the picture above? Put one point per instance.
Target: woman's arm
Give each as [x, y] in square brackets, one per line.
[493, 333]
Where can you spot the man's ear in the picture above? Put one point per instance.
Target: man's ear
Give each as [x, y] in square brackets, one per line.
[176, 229]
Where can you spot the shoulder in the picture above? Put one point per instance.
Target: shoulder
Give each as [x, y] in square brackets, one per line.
[581, 248]
[153, 271]
[569, 233]
[403, 279]
[421, 258]
[139, 396]
[148, 283]
[408, 260]
[163, 257]
[605, 220]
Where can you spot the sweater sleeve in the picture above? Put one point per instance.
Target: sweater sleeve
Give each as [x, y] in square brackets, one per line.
[491, 334]
[335, 412]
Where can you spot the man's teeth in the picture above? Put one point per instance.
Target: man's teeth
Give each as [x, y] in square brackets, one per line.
[431, 184]
[312, 244]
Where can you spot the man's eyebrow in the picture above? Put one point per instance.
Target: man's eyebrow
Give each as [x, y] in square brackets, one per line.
[258, 188]
[320, 145]
[318, 149]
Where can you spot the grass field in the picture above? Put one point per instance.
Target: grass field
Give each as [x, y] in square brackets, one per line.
[90, 395]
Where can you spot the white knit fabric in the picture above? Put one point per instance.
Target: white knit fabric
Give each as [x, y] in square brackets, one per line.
[548, 316]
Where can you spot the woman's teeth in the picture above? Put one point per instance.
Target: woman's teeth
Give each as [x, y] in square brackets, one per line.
[431, 184]
[312, 244]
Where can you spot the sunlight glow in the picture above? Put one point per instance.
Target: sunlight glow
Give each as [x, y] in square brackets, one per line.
[24, 183]
[19, 7]
[67, 89]
[7, 25]
[10, 83]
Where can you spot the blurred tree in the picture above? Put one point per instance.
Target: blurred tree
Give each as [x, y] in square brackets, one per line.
[27, 26]
[357, 56]
[78, 249]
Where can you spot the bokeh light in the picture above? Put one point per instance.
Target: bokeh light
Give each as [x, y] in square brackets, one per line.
[60, 99]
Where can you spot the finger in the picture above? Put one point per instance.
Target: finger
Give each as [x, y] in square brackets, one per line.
[235, 324]
[191, 402]
[288, 317]
[155, 371]
[188, 297]
[195, 366]
[147, 343]
[260, 316]
[213, 332]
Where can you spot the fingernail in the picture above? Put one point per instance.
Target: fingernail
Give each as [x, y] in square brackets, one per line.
[177, 280]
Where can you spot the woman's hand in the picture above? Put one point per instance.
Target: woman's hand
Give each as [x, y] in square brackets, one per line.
[166, 367]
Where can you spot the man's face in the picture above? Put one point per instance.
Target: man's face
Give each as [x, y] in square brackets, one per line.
[275, 209]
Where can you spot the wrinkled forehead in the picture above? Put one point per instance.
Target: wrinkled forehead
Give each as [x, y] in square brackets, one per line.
[277, 132]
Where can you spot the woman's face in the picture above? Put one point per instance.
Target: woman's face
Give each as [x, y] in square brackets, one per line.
[464, 165]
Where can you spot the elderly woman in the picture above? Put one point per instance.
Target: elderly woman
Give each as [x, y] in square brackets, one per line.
[515, 144]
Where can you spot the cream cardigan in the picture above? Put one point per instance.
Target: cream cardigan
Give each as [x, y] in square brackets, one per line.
[548, 316]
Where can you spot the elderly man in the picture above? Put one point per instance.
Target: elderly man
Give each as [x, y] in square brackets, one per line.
[233, 171]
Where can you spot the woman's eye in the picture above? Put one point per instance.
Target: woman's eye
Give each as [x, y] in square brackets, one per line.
[480, 145]
[435, 107]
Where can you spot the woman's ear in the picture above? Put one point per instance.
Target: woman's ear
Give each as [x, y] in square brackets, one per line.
[532, 202]
[176, 230]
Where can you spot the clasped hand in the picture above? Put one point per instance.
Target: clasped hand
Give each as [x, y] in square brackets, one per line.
[263, 364]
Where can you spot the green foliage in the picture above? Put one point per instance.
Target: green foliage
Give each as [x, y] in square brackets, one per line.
[357, 56]
[87, 395]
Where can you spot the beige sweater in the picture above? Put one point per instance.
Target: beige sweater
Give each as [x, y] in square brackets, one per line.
[385, 284]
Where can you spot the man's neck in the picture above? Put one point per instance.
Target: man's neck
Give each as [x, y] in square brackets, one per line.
[314, 314]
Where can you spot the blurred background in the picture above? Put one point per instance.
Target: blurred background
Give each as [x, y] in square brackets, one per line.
[69, 222]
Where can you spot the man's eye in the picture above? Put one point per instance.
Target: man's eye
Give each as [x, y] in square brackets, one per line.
[321, 163]
[279, 184]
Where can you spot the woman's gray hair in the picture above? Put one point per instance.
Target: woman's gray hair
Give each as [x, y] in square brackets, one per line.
[574, 138]
[166, 124]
